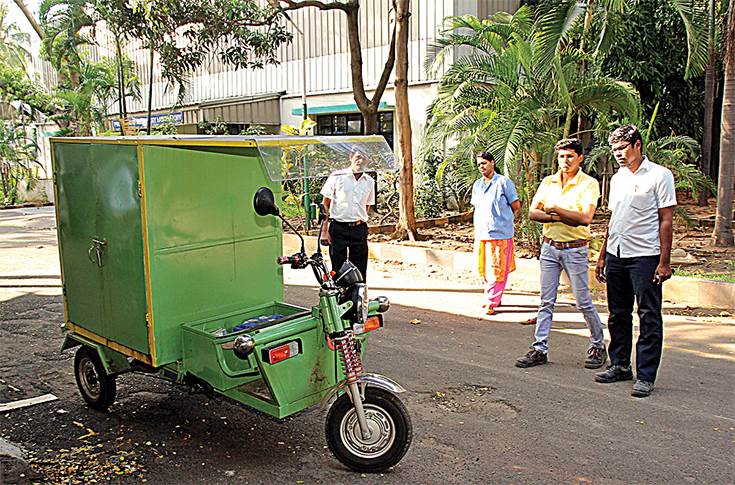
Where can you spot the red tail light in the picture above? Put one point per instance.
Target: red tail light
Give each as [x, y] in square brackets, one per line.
[282, 352]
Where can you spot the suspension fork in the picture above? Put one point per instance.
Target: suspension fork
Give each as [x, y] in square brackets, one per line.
[346, 345]
[353, 367]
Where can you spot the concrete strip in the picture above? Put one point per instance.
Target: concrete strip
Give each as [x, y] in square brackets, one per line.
[692, 292]
[24, 403]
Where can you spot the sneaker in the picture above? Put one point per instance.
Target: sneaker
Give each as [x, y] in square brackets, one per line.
[532, 358]
[642, 388]
[614, 373]
[596, 358]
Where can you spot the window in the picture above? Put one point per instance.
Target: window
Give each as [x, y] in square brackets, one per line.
[385, 127]
[324, 125]
[351, 124]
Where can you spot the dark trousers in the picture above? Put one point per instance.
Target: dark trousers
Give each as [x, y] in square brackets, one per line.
[349, 242]
[629, 280]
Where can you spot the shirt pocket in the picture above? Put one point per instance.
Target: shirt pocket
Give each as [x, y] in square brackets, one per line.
[643, 199]
[361, 193]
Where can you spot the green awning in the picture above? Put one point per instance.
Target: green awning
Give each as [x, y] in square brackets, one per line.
[334, 109]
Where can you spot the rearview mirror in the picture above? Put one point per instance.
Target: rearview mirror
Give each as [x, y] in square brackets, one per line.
[264, 202]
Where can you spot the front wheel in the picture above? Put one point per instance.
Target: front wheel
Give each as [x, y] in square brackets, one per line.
[95, 386]
[389, 425]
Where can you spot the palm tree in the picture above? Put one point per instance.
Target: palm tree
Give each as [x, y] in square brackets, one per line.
[87, 106]
[722, 234]
[66, 24]
[14, 43]
[514, 95]
[508, 96]
[700, 20]
[17, 158]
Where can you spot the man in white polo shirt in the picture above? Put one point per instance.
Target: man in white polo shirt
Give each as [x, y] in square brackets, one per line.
[348, 195]
[635, 259]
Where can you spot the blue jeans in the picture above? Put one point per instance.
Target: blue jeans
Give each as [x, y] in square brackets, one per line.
[574, 262]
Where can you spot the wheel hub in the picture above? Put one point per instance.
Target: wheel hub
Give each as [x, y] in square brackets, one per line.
[89, 378]
[381, 432]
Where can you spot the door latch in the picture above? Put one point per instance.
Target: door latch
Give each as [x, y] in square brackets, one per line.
[96, 251]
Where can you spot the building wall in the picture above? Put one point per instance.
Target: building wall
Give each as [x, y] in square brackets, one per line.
[327, 53]
[327, 64]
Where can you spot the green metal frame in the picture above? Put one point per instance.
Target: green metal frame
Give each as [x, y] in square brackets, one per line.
[160, 248]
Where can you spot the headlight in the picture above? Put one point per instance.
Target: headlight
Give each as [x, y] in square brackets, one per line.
[361, 303]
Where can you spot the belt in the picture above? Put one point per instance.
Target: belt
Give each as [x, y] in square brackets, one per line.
[577, 243]
[349, 224]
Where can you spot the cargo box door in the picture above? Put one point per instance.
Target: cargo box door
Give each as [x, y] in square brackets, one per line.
[101, 241]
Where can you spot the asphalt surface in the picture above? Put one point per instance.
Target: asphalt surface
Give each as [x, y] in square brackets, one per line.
[476, 417]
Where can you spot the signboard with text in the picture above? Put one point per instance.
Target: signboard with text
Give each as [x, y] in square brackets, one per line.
[176, 118]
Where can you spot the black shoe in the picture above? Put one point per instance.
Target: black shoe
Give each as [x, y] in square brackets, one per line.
[532, 358]
[596, 358]
[642, 388]
[614, 373]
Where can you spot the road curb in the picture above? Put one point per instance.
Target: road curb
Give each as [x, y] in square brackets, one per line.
[693, 292]
[13, 468]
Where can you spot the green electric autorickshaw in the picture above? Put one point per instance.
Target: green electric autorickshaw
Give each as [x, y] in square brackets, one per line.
[171, 259]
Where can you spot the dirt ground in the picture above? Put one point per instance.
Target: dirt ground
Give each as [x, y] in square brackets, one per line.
[692, 248]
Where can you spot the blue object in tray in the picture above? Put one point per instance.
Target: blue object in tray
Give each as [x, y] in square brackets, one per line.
[254, 322]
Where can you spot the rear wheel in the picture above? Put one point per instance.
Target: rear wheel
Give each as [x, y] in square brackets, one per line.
[95, 386]
[389, 425]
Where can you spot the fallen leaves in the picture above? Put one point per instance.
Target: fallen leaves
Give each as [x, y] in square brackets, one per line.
[86, 464]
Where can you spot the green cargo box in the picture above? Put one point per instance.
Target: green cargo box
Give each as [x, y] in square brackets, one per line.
[158, 232]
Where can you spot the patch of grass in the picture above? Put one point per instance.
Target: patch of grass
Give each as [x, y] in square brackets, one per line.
[291, 209]
[728, 278]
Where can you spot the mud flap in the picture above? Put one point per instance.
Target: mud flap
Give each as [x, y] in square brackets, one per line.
[113, 362]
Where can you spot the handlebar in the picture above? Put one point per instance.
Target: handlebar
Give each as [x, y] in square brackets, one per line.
[287, 259]
[301, 260]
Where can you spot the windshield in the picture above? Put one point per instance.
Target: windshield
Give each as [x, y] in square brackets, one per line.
[288, 158]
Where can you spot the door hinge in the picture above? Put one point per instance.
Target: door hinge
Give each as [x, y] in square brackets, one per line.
[63, 290]
[140, 189]
[147, 319]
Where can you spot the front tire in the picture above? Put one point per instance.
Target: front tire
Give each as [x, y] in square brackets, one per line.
[96, 387]
[390, 427]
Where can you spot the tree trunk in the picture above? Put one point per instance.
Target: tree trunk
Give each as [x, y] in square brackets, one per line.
[120, 78]
[150, 92]
[74, 77]
[368, 107]
[709, 102]
[31, 19]
[581, 118]
[370, 120]
[406, 227]
[722, 235]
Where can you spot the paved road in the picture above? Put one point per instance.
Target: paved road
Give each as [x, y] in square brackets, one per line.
[477, 418]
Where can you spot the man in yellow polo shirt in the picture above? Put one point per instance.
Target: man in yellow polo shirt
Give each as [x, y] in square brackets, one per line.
[565, 204]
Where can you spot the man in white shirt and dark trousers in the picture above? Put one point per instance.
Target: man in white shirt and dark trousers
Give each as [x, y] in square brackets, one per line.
[635, 259]
[348, 195]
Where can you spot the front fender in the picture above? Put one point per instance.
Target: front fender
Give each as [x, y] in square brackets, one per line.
[373, 380]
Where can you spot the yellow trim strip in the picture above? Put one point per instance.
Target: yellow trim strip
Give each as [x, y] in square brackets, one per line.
[146, 256]
[138, 141]
[300, 141]
[108, 343]
[54, 178]
[224, 141]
